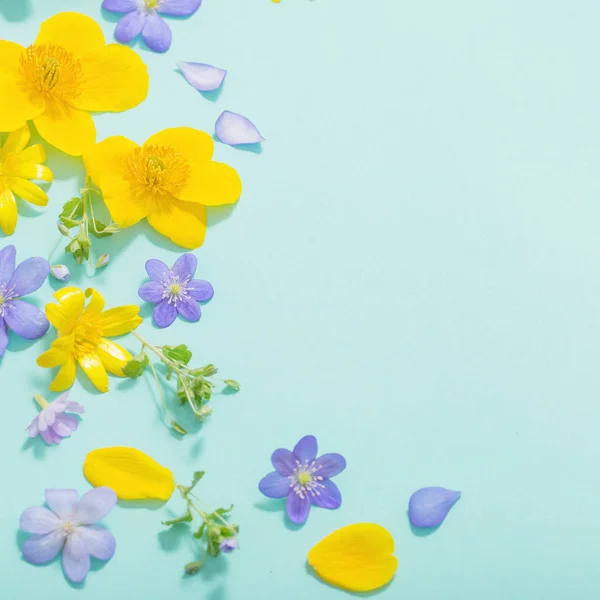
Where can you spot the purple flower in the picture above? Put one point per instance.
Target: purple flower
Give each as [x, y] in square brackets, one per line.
[69, 526]
[304, 479]
[144, 16]
[174, 291]
[25, 320]
[228, 545]
[52, 423]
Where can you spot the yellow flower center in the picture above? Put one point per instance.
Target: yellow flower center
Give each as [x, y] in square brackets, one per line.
[304, 478]
[87, 338]
[53, 71]
[157, 169]
[152, 3]
[175, 289]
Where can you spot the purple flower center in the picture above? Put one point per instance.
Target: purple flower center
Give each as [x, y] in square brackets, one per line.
[175, 289]
[6, 295]
[305, 481]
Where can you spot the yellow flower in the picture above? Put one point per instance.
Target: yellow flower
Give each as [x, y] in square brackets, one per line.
[68, 71]
[18, 165]
[81, 337]
[170, 180]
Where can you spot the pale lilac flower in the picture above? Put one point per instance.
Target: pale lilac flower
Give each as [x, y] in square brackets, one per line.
[26, 320]
[428, 507]
[69, 525]
[52, 424]
[304, 479]
[145, 17]
[174, 291]
[228, 545]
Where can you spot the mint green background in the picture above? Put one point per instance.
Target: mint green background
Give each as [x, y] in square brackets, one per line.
[412, 275]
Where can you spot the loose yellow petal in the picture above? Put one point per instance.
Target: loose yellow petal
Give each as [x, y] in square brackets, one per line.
[73, 31]
[182, 222]
[119, 320]
[113, 356]
[29, 191]
[191, 143]
[65, 377]
[212, 184]
[8, 212]
[132, 474]
[95, 370]
[17, 140]
[116, 79]
[34, 154]
[358, 558]
[69, 129]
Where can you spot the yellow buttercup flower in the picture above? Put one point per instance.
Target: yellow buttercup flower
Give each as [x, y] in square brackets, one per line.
[81, 337]
[18, 166]
[67, 72]
[170, 180]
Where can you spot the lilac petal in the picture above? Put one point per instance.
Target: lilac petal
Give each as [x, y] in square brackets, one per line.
[151, 291]
[26, 320]
[62, 502]
[130, 26]
[297, 508]
[75, 407]
[200, 290]
[32, 429]
[157, 270]
[100, 541]
[40, 549]
[185, 266]
[306, 449]
[46, 418]
[39, 520]
[329, 496]
[203, 77]
[156, 33]
[429, 506]
[65, 425]
[8, 256]
[120, 6]
[51, 437]
[189, 310]
[330, 465]
[3, 337]
[283, 461]
[94, 505]
[274, 485]
[29, 276]
[234, 129]
[164, 313]
[76, 558]
[179, 8]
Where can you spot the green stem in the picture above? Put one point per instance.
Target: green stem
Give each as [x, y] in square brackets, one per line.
[54, 246]
[41, 401]
[205, 516]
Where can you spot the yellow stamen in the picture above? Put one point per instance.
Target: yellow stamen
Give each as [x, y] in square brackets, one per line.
[152, 3]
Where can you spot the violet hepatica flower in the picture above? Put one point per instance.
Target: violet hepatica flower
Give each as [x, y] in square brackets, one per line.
[174, 290]
[52, 424]
[145, 17]
[428, 507]
[69, 525]
[304, 479]
[23, 318]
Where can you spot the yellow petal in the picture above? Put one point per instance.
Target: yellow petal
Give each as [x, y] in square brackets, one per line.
[65, 377]
[58, 353]
[8, 212]
[63, 316]
[73, 31]
[18, 103]
[34, 154]
[132, 474]
[95, 370]
[29, 170]
[119, 320]
[192, 144]
[357, 558]
[212, 184]
[116, 79]
[95, 303]
[113, 356]
[17, 140]
[182, 222]
[29, 191]
[69, 129]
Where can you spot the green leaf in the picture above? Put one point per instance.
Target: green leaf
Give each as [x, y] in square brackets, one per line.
[100, 230]
[223, 511]
[233, 384]
[179, 354]
[72, 212]
[187, 518]
[135, 367]
[197, 477]
[178, 428]
[198, 534]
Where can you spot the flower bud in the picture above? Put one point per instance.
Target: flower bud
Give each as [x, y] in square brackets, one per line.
[228, 545]
[103, 260]
[60, 272]
[63, 228]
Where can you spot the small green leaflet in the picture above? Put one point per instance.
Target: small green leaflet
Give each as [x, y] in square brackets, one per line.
[100, 230]
[135, 367]
[72, 212]
[187, 518]
[177, 354]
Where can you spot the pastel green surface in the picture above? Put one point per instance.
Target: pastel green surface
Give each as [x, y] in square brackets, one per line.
[412, 275]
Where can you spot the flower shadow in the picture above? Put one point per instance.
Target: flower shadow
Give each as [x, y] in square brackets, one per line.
[312, 573]
[147, 504]
[15, 11]
[111, 16]
[37, 445]
[276, 505]
[254, 148]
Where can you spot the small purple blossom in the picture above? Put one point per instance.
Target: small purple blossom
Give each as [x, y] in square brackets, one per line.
[69, 525]
[174, 291]
[144, 16]
[304, 479]
[228, 545]
[24, 319]
[428, 507]
[52, 424]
